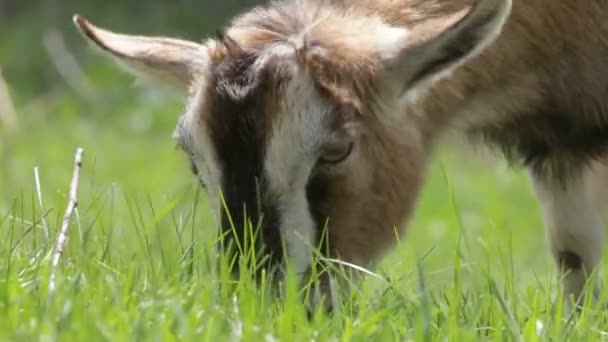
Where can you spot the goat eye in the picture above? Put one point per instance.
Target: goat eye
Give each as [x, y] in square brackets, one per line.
[335, 153]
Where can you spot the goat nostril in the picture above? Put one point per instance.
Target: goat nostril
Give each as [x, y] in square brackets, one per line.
[570, 261]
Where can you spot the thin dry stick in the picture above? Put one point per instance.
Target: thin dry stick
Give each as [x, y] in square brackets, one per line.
[39, 192]
[63, 233]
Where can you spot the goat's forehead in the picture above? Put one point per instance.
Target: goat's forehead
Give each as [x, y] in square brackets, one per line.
[267, 101]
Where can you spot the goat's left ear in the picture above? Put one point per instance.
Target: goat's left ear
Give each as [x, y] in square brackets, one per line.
[434, 48]
[169, 61]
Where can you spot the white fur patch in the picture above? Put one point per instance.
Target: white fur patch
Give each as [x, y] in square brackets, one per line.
[290, 157]
[572, 224]
[201, 147]
[391, 41]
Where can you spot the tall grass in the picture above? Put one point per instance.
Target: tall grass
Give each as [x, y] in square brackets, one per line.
[145, 267]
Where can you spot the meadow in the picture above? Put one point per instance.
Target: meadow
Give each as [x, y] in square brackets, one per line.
[140, 262]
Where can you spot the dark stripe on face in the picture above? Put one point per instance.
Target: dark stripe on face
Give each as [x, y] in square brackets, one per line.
[239, 122]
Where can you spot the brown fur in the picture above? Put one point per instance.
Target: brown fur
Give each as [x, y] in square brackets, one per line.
[539, 87]
[524, 79]
[519, 90]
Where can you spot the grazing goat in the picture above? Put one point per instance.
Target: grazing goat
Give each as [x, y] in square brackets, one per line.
[323, 114]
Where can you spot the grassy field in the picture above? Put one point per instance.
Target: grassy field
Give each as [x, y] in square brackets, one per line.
[140, 262]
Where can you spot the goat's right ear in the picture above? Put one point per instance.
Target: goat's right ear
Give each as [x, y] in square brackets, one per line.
[436, 47]
[170, 61]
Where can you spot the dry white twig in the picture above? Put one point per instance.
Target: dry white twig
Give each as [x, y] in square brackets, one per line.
[39, 192]
[65, 225]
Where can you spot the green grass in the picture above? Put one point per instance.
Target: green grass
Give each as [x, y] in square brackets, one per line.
[140, 263]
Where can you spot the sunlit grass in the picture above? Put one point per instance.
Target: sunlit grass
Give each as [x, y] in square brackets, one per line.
[142, 265]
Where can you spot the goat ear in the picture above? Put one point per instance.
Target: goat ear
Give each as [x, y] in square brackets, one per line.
[165, 60]
[434, 48]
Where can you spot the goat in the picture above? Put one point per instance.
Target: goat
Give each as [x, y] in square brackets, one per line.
[325, 113]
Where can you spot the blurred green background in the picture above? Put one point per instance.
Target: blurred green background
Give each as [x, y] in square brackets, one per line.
[65, 94]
